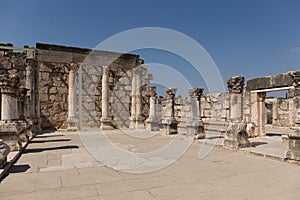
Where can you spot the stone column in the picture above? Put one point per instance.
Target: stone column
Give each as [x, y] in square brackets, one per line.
[133, 100]
[275, 113]
[37, 126]
[30, 114]
[106, 122]
[21, 102]
[258, 115]
[195, 125]
[261, 113]
[293, 152]
[236, 135]
[139, 115]
[152, 121]
[72, 122]
[170, 123]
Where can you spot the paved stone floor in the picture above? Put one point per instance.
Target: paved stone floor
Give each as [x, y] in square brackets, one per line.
[58, 166]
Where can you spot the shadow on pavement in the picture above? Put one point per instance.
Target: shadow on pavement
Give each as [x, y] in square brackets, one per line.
[38, 150]
[255, 144]
[44, 141]
[19, 168]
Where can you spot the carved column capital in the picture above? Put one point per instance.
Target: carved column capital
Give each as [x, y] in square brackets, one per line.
[295, 75]
[170, 93]
[30, 63]
[74, 67]
[195, 93]
[236, 84]
[152, 91]
[9, 83]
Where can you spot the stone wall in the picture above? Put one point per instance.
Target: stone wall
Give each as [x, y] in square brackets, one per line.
[54, 65]
[278, 111]
[53, 92]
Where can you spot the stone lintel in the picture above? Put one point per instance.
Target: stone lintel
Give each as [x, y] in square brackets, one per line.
[280, 80]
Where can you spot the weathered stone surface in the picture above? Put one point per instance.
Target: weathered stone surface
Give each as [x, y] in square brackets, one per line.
[280, 80]
[170, 122]
[294, 145]
[4, 151]
[236, 84]
[236, 136]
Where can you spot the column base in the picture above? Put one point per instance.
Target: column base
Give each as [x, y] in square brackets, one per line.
[170, 126]
[152, 124]
[72, 124]
[294, 145]
[196, 130]
[139, 123]
[234, 144]
[106, 124]
[236, 136]
[36, 126]
[132, 124]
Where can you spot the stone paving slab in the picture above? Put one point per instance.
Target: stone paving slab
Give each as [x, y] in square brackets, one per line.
[58, 166]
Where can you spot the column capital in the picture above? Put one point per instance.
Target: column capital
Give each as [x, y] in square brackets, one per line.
[9, 83]
[22, 92]
[196, 92]
[152, 91]
[295, 75]
[30, 63]
[170, 93]
[236, 84]
[74, 66]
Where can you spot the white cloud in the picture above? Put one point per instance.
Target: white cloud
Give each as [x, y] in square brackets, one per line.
[295, 50]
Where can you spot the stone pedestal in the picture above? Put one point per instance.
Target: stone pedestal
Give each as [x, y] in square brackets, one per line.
[106, 121]
[170, 123]
[4, 151]
[14, 133]
[294, 145]
[152, 123]
[236, 134]
[195, 125]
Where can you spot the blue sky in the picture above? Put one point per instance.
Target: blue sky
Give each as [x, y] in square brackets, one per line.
[250, 38]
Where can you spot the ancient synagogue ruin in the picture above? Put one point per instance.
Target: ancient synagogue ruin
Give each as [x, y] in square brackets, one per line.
[49, 87]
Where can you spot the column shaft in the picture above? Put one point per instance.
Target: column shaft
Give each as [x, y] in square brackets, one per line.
[106, 123]
[71, 102]
[133, 101]
[139, 114]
